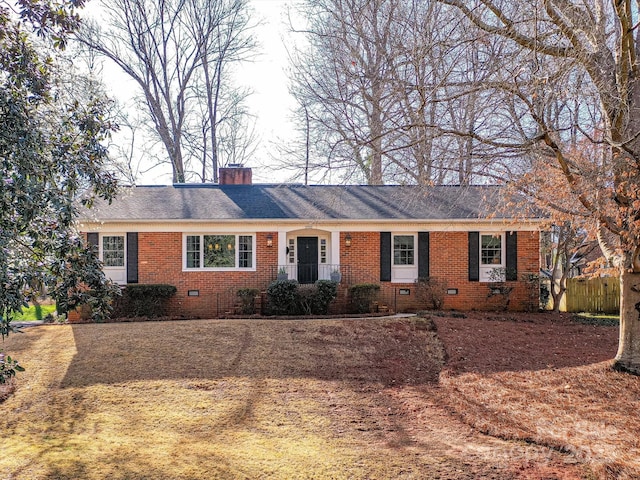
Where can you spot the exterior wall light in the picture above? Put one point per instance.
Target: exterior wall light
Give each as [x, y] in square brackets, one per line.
[347, 240]
[269, 240]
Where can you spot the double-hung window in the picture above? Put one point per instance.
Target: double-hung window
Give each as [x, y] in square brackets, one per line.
[403, 249]
[219, 251]
[113, 250]
[492, 265]
[404, 267]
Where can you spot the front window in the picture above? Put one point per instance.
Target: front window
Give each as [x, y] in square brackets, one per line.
[193, 251]
[245, 251]
[492, 257]
[491, 250]
[403, 250]
[113, 251]
[219, 251]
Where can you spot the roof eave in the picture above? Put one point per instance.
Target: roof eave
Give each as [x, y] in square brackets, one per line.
[319, 220]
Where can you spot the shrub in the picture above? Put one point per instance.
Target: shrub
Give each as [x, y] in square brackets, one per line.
[306, 298]
[8, 368]
[144, 301]
[362, 296]
[533, 288]
[503, 292]
[282, 297]
[326, 292]
[248, 298]
[431, 291]
[287, 297]
[315, 299]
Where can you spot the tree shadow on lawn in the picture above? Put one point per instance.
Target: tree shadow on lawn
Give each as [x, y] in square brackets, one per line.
[544, 380]
[386, 351]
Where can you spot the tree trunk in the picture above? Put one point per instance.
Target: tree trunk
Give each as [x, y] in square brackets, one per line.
[558, 291]
[375, 172]
[628, 356]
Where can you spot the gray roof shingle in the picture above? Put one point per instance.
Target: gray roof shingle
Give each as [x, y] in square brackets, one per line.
[298, 202]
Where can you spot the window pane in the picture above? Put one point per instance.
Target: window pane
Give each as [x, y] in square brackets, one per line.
[323, 250]
[219, 251]
[491, 250]
[292, 250]
[113, 251]
[193, 251]
[245, 251]
[403, 250]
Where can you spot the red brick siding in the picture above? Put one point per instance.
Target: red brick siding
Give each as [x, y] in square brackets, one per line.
[449, 261]
[362, 259]
[160, 261]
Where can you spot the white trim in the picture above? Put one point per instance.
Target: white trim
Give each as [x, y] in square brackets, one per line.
[117, 274]
[334, 249]
[282, 247]
[404, 273]
[219, 269]
[323, 270]
[284, 226]
[486, 271]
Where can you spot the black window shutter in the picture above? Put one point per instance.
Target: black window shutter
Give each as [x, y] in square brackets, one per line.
[474, 256]
[132, 257]
[423, 254]
[385, 256]
[512, 256]
[93, 239]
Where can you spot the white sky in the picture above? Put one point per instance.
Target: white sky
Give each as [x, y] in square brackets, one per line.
[271, 101]
[266, 76]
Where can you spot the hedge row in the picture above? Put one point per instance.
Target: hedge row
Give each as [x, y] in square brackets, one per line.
[143, 301]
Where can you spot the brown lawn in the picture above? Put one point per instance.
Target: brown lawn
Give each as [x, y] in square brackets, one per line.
[316, 399]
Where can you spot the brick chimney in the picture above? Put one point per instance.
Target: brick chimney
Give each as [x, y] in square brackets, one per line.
[235, 174]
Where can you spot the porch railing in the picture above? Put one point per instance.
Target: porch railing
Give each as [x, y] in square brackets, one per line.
[309, 273]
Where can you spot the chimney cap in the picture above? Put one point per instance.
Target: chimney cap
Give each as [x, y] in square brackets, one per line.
[235, 165]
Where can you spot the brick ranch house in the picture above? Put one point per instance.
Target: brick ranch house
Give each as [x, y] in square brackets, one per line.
[211, 240]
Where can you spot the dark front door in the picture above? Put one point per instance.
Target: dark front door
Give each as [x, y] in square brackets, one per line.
[307, 259]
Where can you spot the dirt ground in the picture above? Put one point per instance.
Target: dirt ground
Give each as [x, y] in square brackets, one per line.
[545, 379]
[488, 342]
[479, 345]
[394, 397]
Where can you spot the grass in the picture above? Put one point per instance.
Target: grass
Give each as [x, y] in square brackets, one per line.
[33, 312]
[332, 399]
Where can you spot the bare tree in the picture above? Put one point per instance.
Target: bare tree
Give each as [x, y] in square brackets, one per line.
[380, 82]
[341, 79]
[178, 52]
[566, 241]
[576, 74]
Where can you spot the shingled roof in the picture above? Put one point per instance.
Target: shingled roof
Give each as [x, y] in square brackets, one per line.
[298, 202]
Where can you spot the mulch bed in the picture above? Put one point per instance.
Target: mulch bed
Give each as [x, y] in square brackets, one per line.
[486, 342]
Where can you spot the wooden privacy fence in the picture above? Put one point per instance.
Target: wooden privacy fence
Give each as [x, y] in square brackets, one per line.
[594, 295]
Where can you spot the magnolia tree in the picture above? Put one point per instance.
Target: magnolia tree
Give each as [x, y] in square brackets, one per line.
[570, 76]
[51, 157]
